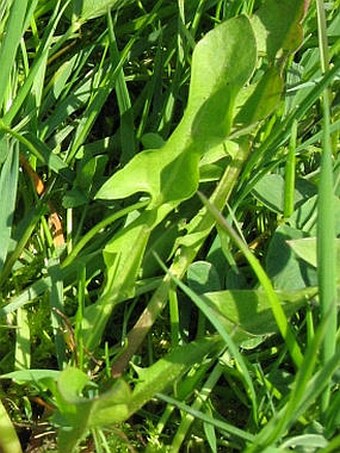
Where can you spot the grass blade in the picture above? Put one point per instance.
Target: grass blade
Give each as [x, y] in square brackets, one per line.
[127, 132]
[9, 442]
[326, 250]
[8, 190]
[225, 335]
[212, 421]
[10, 43]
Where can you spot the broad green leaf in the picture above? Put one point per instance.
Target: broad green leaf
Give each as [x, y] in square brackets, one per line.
[261, 100]
[90, 9]
[250, 310]
[160, 243]
[74, 198]
[305, 216]
[215, 160]
[287, 271]
[216, 80]
[270, 191]
[203, 277]
[170, 174]
[305, 442]
[111, 406]
[78, 413]
[224, 332]
[3, 150]
[123, 257]
[122, 265]
[88, 171]
[306, 249]
[73, 409]
[71, 383]
[160, 173]
[152, 140]
[278, 27]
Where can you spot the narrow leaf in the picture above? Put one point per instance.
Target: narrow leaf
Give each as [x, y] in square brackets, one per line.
[8, 190]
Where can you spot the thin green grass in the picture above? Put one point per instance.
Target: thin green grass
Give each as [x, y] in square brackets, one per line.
[326, 218]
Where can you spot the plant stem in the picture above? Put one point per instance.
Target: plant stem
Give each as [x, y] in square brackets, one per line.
[290, 174]
[326, 250]
[198, 230]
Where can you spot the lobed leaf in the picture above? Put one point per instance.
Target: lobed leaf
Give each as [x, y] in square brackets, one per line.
[170, 174]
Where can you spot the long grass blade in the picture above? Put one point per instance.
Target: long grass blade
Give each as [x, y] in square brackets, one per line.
[10, 43]
[8, 190]
[234, 350]
[9, 442]
[326, 250]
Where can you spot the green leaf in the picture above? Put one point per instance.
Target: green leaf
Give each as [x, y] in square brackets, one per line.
[160, 173]
[305, 216]
[270, 191]
[261, 100]
[111, 406]
[223, 330]
[90, 9]
[286, 270]
[74, 198]
[9, 442]
[77, 413]
[306, 249]
[73, 409]
[160, 244]
[250, 310]
[170, 174]
[216, 79]
[3, 150]
[10, 41]
[31, 375]
[71, 383]
[151, 140]
[122, 261]
[203, 277]
[278, 27]
[162, 374]
[123, 256]
[8, 190]
[89, 170]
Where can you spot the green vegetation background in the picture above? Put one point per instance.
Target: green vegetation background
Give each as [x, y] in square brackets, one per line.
[170, 215]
